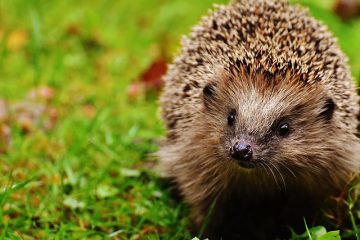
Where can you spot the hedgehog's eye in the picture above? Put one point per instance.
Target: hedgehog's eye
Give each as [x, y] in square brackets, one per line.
[283, 129]
[231, 118]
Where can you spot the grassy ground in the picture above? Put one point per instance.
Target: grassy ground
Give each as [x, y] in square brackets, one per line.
[77, 121]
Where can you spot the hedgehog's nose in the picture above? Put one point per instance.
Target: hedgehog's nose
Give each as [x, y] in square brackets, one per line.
[241, 152]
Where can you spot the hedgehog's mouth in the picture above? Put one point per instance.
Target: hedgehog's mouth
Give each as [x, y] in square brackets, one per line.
[248, 164]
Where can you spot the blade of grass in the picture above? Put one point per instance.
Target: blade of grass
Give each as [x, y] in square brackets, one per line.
[352, 218]
[207, 218]
[307, 230]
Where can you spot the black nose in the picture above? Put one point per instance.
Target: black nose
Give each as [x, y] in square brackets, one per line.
[242, 152]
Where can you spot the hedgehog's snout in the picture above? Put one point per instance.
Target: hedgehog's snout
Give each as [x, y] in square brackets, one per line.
[241, 152]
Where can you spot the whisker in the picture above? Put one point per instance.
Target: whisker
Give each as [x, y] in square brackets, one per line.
[280, 174]
[263, 166]
[284, 165]
[273, 174]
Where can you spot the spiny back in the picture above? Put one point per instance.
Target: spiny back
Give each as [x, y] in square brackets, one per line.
[270, 37]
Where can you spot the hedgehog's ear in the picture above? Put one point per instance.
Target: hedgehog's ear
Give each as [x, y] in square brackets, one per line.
[209, 93]
[328, 109]
[209, 90]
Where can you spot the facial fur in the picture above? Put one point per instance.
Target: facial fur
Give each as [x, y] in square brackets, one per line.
[261, 107]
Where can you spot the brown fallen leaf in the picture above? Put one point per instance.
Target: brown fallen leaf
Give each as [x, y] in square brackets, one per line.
[347, 9]
[17, 40]
[73, 30]
[152, 76]
[150, 80]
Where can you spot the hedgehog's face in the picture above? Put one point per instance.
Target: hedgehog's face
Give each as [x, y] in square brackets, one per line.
[270, 126]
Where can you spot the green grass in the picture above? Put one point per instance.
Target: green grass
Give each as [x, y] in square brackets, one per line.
[78, 166]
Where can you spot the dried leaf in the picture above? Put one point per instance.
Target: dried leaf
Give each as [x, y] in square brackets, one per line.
[347, 9]
[73, 30]
[17, 40]
[148, 229]
[152, 77]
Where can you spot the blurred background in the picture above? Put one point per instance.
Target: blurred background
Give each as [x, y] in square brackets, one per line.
[79, 82]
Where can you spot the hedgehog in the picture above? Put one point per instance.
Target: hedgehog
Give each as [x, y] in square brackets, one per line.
[260, 113]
